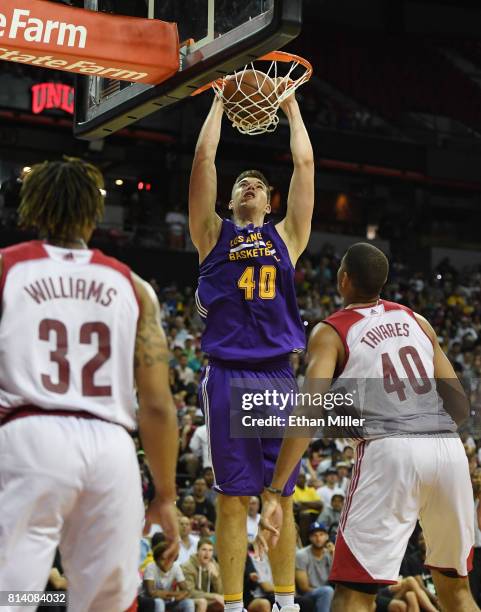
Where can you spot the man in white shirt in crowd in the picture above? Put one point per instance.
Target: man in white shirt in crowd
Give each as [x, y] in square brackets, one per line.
[164, 581]
[188, 542]
[199, 446]
[253, 518]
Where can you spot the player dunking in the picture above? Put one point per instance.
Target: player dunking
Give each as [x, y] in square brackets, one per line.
[247, 298]
[398, 477]
[76, 328]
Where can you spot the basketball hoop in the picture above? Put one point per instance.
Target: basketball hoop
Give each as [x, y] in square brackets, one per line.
[252, 107]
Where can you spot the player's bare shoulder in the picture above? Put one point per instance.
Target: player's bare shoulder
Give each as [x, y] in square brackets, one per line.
[150, 344]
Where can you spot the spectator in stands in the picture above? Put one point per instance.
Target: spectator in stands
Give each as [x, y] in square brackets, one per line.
[176, 221]
[343, 468]
[195, 363]
[202, 576]
[253, 518]
[307, 505]
[165, 583]
[187, 506]
[200, 447]
[252, 603]
[264, 585]
[330, 487]
[313, 564]
[202, 505]
[208, 476]
[311, 465]
[331, 515]
[187, 459]
[184, 373]
[188, 542]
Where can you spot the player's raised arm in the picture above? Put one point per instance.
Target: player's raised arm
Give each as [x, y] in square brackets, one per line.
[296, 227]
[204, 222]
[157, 414]
[448, 385]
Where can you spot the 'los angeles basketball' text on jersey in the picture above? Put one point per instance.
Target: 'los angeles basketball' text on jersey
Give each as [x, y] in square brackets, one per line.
[389, 359]
[247, 298]
[67, 332]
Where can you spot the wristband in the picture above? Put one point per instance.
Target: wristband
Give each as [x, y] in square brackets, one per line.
[274, 490]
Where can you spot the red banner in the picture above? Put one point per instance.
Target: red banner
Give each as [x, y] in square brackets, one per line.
[54, 36]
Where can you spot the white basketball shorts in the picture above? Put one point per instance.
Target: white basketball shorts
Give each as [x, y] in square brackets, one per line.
[395, 482]
[73, 483]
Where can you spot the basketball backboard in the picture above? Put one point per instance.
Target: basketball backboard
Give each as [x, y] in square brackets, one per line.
[220, 36]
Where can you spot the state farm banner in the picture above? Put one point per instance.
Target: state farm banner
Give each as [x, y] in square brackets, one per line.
[55, 36]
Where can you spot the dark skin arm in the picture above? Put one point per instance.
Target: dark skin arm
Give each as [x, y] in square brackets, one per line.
[448, 386]
[325, 351]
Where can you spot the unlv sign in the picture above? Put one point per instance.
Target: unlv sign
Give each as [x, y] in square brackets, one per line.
[52, 95]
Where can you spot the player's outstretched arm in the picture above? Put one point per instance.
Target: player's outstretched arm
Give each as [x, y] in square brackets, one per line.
[296, 227]
[204, 222]
[448, 385]
[325, 350]
[157, 414]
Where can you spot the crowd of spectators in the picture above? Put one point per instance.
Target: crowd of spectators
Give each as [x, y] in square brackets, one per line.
[451, 301]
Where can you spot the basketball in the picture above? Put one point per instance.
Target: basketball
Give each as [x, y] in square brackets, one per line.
[248, 97]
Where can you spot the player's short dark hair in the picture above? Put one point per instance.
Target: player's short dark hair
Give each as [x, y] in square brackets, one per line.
[61, 197]
[254, 174]
[367, 267]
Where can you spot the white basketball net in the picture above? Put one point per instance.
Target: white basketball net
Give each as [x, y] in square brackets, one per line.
[256, 112]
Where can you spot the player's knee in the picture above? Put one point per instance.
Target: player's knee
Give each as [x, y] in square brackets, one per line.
[396, 605]
[229, 504]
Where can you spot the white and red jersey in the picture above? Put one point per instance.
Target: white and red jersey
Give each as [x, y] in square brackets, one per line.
[68, 325]
[389, 360]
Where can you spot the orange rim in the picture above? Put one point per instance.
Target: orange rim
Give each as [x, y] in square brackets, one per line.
[273, 56]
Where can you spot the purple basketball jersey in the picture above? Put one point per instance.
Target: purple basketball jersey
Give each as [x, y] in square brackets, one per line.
[247, 298]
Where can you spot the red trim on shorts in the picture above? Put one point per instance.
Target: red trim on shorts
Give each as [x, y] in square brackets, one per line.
[133, 607]
[101, 259]
[356, 472]
[25, 251]
[341, 322]
[346, 568]
[26, 411]
[469, 566]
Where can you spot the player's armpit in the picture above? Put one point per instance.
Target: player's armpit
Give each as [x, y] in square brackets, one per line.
[449, 387]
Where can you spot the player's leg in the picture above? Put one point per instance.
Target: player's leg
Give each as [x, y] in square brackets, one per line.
[237, 467]
[454, 593]
[347, 599]
[101, 540]
[38, 485]
[231, 544]
[448, 507]
[379, 516]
